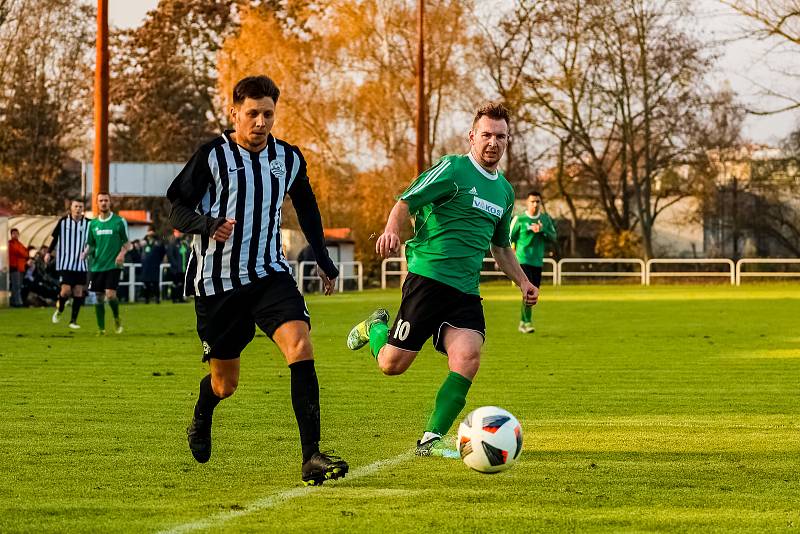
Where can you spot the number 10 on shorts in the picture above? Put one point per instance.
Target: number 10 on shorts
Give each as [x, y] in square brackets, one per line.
[402, 329]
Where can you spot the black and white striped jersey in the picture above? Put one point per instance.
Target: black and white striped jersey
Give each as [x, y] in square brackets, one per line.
[69, 240]
[225, 180]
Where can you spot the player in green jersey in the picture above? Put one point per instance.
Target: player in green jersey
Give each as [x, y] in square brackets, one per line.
[529, 233]
[106, 245]
[462, 207]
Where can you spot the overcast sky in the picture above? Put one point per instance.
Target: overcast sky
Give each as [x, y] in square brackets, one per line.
[743, 63]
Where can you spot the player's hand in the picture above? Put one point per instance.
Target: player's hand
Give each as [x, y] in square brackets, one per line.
[530, 293]
[224, 231]
[47, 258]
[120, 259]
[328, 284]
[388, 244]
[536, 227]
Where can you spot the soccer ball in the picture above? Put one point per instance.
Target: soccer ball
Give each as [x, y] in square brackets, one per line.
[489, 439]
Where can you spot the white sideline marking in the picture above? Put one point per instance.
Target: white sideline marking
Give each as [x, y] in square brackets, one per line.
[278, 498]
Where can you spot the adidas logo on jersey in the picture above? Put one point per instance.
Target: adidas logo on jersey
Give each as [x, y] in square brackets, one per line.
[473, 191]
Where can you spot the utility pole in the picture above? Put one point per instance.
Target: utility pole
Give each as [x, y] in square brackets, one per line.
[100, 175]
[422, 117]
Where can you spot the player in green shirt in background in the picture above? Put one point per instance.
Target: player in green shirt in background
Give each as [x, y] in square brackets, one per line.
[462, 207]
[529, 233]
[106, 245]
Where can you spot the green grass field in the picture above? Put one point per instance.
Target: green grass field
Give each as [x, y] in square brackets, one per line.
[644, 409]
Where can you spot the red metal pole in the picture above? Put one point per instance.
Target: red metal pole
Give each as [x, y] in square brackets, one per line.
[422, 120]
[100, 175]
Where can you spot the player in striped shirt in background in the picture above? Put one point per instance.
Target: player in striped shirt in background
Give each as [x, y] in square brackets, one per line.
[68, 242]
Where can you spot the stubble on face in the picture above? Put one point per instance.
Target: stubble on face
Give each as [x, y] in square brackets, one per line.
[488, 140]
[253, 120]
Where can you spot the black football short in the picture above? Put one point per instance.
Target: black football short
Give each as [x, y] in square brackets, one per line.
[428, 306]
[533, 273]
[72, 278]
[226, 323]
[101, 280]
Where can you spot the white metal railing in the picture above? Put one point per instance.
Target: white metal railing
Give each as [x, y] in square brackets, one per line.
[553, 272]
[493, 271]
[741, 273]
[401, 272]
[618, 261]
[348, 270]
[729, 273]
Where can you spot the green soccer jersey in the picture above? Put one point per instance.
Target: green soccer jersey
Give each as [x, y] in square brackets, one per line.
[530, 244]
[105, 239]
[460, 209]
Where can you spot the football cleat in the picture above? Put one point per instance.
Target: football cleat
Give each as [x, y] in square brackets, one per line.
[359, 335]
[199, 436]
[56, 316]
[321, 467]
[75, 326]
[435, 447]
[118, 323]
[526, 328]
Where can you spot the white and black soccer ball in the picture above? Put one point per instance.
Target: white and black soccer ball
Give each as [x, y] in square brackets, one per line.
[489, 439]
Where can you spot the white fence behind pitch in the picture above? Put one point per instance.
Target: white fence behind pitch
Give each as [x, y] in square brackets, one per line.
[636, 262]
[730, 271]
[741, 273]
[348, 270]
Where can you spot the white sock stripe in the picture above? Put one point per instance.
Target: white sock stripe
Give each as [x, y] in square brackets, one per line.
[278, 498]
[428, 180]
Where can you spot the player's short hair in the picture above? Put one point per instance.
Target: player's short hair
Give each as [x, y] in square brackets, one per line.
[78, 200]
[493, 110]
[106, 193]
[13, 230]
[534, 194]
[255, 87]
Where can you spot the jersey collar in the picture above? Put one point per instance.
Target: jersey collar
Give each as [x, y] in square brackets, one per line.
[480, 169]
[101, 219]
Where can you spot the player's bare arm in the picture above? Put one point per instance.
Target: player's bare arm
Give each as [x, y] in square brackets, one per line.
[507, 261]
[388, 243]
[120, 259]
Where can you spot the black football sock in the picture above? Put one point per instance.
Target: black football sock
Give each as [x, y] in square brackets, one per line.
[62, 301]
[206, 400]
[305, 401]
[77, 302]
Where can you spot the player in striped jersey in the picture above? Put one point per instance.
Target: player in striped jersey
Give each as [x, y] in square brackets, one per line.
[230, 195]
[68, 241]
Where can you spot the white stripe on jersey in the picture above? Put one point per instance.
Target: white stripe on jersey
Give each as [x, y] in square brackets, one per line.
[265, 239]
[427, 181]
[70, 244]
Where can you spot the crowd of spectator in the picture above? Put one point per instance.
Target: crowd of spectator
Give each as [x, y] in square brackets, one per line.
[33, 280]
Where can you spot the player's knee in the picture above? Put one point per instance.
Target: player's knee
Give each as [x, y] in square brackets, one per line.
[466, 363]
[392, 366]
[224, 388]
[299, 349]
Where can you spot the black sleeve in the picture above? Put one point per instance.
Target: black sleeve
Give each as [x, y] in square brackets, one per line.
[185, 193]
[56, 234]
[305, 204]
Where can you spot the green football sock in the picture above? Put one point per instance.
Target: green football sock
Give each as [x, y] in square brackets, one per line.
[100, 312]
[378, 334]
[114, 304]
[527, 313]
[450, 400]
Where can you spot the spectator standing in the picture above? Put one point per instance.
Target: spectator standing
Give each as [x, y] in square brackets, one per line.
[178, 258]
[152, 255]
[17, 261]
